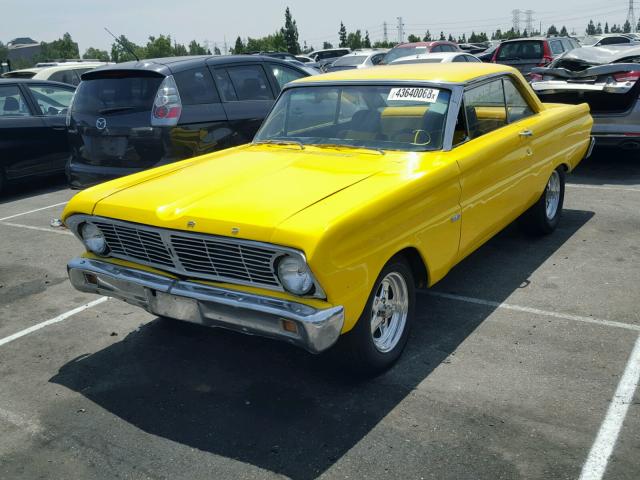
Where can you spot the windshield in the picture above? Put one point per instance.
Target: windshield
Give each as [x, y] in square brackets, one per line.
[407, 118]
[522, 50]
[400, 52]
[590, 40]
[350, 61]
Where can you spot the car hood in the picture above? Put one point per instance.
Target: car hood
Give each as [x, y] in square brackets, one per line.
[600, 55]
[247, 192]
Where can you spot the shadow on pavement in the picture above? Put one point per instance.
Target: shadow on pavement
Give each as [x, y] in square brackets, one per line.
[611, 166]
[270, 405]
[21, 189]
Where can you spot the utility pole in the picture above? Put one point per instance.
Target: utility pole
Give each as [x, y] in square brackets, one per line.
[516, 20]
[400, 30]
[225, 45]
[385, 36]
[631, 16]
[529, 21]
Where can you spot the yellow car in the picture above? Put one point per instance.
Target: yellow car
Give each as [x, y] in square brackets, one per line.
[360, 187]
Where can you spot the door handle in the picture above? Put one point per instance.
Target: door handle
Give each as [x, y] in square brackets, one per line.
[59, 128]
[526, 133]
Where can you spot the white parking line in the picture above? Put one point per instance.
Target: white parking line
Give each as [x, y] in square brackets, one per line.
[602, 187]
[596, 463]
[32, 211]
[40, 229]
[536, 311]
[59, 318]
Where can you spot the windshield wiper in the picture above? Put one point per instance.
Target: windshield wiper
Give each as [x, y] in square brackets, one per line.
[337, 145]
[280, 142]
[113, 110]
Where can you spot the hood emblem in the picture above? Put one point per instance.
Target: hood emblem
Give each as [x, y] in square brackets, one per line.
[101, 123]
[191, 224]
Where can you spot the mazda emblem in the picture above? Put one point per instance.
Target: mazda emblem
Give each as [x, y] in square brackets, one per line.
[101, 123]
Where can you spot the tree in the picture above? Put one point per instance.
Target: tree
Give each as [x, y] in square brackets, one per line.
[121, 50]
[367, 41]
[564, 32]
[525, 34]
[196, 49]
[63, 48]
[413, 38]
[342, 34]
[326, 45]
[4, 51]
[290, 33]
[627, 27]
[552, 31]
[427, 36]
[239, 46]
[591, 28]
[158, 47]
[599, 29]
[94, 53]
[451, 39]
[216, 50]
[442, 37]
[606, 27]
[179, 50]
[354, 40]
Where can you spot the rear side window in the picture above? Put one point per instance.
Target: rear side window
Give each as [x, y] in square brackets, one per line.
[12, 103]
[64, 76]
[526, 50]
[51, 100]
[485, 108]
[196, 87]
[614, 40]
[225, 86]
[556, 47]
[517, 106]
[250, 82]
[284, 74]
[126, 93]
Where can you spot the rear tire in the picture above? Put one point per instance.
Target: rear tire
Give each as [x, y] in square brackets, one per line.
[543, 217]
[377, 340]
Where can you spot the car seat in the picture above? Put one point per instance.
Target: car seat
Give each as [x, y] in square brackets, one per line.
[364, 125]
[11, 105]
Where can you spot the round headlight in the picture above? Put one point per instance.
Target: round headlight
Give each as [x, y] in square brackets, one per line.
[93, 238]
[295, 275]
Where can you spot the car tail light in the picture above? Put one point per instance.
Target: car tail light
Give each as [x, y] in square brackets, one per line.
[547, 56]
[535, 77]
[626, 76]
[494, 59]
[167, 105]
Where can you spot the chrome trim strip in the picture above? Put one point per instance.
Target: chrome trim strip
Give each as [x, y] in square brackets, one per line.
[317, 329]
[74, 221]
[592, 143]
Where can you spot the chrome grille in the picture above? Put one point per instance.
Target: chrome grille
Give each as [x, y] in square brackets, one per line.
[193, 255]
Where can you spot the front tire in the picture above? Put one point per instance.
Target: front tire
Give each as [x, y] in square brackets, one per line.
[381, 333]
[543, 217]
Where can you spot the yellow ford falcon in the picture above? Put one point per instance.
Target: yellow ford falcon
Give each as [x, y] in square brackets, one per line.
[360, 187]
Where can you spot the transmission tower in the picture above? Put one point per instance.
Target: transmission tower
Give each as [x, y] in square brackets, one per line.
[516, 20]
[400, 30]
[529, 21]
[631, 16]
[384, 29]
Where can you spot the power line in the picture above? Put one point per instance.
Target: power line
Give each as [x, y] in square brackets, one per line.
[631, 16]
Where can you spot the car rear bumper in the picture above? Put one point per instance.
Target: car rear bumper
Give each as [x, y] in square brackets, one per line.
[311, 328]
[81, 175]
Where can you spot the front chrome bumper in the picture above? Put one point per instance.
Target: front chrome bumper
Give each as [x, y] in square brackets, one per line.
[315, 329]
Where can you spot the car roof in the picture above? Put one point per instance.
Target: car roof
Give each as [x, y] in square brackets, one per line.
[443, 55]
[5, 81]
[424, 44]
[421, 72]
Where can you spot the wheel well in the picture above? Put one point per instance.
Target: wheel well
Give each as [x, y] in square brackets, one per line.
[565, 167]
[418, 266]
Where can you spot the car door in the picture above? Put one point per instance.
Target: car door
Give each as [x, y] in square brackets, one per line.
[494, 166]
[52, 103]
[247, 96]
[23, 143]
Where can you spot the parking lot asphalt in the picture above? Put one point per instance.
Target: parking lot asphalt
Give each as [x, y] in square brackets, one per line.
[521, 365]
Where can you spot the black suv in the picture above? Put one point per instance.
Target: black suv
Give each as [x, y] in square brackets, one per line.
[136, 115]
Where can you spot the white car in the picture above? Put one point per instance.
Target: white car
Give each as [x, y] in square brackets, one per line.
[65, 72]
[438, 57]
[358, 59]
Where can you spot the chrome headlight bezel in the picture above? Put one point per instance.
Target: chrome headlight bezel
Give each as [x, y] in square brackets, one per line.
[93, 239]
[294, 275]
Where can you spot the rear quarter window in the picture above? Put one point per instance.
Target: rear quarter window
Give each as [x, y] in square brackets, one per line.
[196, 87]
[527, 50]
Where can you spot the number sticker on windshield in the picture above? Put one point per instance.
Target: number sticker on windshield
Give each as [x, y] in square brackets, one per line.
[425, 95]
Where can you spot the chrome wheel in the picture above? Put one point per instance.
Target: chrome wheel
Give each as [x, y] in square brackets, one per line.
[552, 195]
[389, 312]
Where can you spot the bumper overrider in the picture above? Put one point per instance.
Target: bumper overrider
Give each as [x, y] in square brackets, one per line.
[310, 328]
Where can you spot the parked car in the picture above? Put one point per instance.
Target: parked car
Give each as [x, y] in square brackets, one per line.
[137, 115]
[33, 138]
[364, 58]
[417, 48]
[473, 48]
[487, 55]
[527, 53]
[64, 72]
[449, 57]
[609, 39]
[324, 58]
[607, 79]
[359, 187]
[304, 59]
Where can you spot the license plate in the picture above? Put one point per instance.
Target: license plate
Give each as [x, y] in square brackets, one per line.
[110, 146]
[172, 306]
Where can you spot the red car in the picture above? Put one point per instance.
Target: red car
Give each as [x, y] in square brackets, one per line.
[417, 48]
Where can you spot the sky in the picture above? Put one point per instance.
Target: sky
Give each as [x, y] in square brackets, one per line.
[214, 21]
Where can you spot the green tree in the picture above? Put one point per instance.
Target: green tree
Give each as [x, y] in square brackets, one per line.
[120, 51]
[290, 33]
[158, 47]
[606, 27]
[63, 48]
[451, 39]
[413, 38]
[442, 37]
[599, 29]
[427, 36]
[94, 53]
[326, 45]
[179, 50]
[216, 50]
[342, 35]
[564, 32]
[196, 49]
[239, 46]
[591, 28]
[4, 51]
[367, 41]
[552, 30]
[354, 40]
[626, 27]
